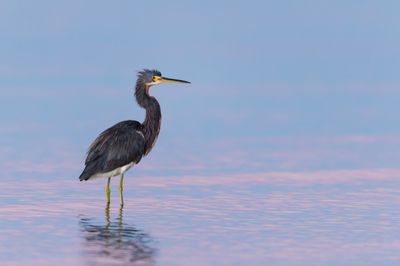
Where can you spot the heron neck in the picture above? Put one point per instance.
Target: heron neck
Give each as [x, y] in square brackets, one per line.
[152, 121]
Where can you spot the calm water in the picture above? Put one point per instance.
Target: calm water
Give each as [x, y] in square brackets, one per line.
[305, 218]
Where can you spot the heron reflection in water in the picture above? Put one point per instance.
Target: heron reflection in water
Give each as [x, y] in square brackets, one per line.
[116, 243]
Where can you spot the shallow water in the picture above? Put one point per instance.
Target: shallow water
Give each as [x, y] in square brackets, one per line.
[305, 218]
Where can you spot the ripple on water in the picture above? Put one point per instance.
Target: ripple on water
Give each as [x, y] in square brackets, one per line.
[304, 218]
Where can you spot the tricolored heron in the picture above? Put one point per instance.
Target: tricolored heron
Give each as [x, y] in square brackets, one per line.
[121, 146]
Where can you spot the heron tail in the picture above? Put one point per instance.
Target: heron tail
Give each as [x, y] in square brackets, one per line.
[86, 174]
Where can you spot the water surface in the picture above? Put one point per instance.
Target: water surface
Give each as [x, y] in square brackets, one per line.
[303, 218]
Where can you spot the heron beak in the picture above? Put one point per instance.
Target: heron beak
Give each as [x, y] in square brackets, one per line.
[168, 80]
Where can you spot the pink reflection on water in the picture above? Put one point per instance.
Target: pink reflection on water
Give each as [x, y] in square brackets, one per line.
[255, 218]
[46, 261]
[333, 176]
[266, 153]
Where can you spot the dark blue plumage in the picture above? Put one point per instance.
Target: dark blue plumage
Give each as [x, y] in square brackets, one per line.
[119, 147]
[127, 141]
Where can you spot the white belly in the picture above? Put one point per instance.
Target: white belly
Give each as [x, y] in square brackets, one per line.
[116, 171]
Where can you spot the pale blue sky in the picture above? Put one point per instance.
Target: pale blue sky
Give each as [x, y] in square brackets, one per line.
[276, 85]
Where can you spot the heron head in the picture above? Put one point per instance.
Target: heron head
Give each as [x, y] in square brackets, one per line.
[154, 77]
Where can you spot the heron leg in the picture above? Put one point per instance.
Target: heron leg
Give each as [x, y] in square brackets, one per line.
[121, 197]
[108, 192]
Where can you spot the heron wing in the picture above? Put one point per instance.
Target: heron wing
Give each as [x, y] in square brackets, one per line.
[117, 146]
